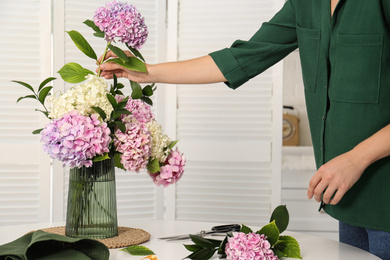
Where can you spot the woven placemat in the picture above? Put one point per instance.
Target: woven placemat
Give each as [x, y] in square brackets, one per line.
[126, 236]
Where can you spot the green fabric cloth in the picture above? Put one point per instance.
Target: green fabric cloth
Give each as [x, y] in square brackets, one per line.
[40, 245]
[345, 65]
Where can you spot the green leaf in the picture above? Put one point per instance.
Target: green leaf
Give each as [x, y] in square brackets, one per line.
[138, 250]
[133, 64]
[216, 243]
[135, 52]
[82, 44]
[43, 94]
[115, 80]
[118, 92]
[193, 248]
[24, 84]
[288, 247]
[271, 232]
[122, 103]
[115, 114]
[29, 96]
[101, 158]
[101, 112]
[121, 126]
[147, 100]
[118, 52]
[172, 144]
[100, 35]
[153, 166]
[137, 90]
[38, 131]
[44, 112]
[120, 86]
[117, 160]
[221, 249]
[45, 82]
[74, 73]
[245, 229]
[123, 112]
[202, 254]
[112, 100]
[200, 241]
[281, 217]
[92, 25]
[147, 91]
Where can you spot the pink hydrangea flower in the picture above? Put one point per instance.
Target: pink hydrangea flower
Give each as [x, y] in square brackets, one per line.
[122, 21]
[134, 145]
[250, 246]
[75, 139]
[141, 111]
[172, 171]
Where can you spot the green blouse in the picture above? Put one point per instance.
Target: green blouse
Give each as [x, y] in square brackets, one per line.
[346, 72]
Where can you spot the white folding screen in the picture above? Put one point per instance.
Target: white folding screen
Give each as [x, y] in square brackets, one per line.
[228, 136]
[24, 169]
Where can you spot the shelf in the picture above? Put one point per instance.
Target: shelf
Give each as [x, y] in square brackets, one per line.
[297, 150]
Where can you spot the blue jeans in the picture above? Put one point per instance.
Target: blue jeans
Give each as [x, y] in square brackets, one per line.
[374, 241]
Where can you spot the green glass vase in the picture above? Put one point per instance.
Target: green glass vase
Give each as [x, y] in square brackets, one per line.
[91, 211]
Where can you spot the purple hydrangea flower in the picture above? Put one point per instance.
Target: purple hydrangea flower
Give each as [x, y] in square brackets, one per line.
[75, 139]
[122, 21]
[140, 111]
[134, 145]
[250, 246]
[172, 171]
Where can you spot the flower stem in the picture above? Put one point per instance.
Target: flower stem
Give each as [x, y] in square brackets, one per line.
[103, 57]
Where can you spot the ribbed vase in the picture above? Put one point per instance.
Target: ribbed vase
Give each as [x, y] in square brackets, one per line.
[91, 210]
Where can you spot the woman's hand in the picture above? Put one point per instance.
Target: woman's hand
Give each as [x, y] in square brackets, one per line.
[338, 175]
[107, 69]
[335, 178]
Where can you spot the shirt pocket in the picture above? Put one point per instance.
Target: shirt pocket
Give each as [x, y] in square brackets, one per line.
[357, 68]
[309, 51]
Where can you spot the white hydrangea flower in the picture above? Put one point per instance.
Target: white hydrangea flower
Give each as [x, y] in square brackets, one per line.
[160, 141]
[82, 98]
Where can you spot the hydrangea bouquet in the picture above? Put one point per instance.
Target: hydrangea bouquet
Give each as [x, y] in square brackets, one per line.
[265, 244]
[92, 122]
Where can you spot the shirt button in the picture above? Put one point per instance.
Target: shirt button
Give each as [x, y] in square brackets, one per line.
[323, 117]
[326, 86]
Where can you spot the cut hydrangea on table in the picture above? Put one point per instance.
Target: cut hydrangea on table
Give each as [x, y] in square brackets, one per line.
[265, 244]
[91, 121]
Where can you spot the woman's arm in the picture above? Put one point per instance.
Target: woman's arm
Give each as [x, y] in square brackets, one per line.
[196, 71]
[339, 174]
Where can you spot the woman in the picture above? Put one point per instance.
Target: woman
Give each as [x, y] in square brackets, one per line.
[345, 55]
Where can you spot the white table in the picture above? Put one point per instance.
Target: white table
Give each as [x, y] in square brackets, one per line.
[312, 247]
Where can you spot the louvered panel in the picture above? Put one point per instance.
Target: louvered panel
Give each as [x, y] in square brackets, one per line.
[207, 29]
[19, 194]
[20, 41]
[136, 194]
[226, 134]
[23, 172]
[224, 193]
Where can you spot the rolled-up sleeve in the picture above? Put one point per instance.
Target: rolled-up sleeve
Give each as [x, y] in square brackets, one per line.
[271, 43]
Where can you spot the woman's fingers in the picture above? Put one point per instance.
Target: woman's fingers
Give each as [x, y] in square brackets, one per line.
[109, 75]
[335, 178]
[110, 54]
[110, 67]
[312, 185]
